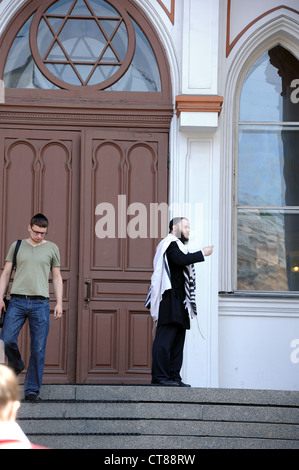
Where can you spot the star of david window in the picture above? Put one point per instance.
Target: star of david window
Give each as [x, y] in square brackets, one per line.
[82, 43]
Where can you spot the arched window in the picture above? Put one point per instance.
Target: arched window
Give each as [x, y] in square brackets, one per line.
[69, 44]
[267, 192]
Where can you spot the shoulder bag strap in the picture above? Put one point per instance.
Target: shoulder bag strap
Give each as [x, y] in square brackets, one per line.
[14, 262]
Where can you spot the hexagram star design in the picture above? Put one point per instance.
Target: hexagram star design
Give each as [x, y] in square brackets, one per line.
[61, 55]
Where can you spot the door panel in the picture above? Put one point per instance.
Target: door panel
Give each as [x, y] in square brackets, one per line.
[115, 329]
[143, 186]
[40, 173]
[104, 177]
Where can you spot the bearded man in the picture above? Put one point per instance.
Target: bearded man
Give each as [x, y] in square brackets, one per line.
[171, 300]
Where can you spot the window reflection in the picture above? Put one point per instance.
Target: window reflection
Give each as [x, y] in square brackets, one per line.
[268, 166]
[260, 97]
[268, 176]
[20, 69]
[82, 51]
[266, 90]
[140, 76]
[268, 250]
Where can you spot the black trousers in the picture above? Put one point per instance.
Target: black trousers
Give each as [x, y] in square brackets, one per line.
[168, 353]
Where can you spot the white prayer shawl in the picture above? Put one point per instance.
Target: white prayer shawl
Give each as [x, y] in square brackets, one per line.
[161, 279]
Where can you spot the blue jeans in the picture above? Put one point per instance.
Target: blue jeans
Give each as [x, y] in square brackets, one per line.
[38, 313]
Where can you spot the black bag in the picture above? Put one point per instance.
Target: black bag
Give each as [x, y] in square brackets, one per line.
[3, 312]
[6, 300]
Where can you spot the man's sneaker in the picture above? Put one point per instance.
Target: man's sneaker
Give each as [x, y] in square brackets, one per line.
[33, 398]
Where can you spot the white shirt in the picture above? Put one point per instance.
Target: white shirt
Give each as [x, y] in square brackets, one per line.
[11, 431]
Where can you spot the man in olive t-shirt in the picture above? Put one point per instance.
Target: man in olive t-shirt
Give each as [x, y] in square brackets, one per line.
[30, 299]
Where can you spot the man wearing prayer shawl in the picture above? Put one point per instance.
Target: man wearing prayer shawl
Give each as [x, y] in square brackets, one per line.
[171, 300]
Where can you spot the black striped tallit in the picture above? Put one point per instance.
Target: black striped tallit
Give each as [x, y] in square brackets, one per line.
[189, 284]
[190, 289]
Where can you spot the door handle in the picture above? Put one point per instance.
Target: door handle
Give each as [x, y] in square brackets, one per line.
[87, 284]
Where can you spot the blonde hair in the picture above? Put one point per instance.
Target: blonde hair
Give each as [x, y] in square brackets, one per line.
[9, 387]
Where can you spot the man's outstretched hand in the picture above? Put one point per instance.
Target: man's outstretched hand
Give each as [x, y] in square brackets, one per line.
[208, 250]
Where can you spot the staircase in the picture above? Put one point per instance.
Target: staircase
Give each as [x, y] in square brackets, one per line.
[153, 417]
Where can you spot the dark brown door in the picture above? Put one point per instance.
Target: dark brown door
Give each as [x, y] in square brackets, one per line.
[124, 174]
[40, 173]
[72, 177]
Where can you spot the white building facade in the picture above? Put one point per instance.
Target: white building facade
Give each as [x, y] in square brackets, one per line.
[231, 122]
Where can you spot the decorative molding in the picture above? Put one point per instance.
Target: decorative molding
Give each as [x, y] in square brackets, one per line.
[140, 121]
[237, 306]
[230, 45]
[198, 103]
[170, 13]
[95, 117]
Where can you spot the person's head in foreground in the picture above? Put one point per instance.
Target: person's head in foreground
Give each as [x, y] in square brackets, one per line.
[11, 435]
[9, 394]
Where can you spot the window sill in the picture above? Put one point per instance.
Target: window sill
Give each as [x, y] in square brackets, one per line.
[259, 294]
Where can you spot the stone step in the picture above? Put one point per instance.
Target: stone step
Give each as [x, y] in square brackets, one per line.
[157, 443]
[167, 411]
[157, 393]
[159, 427]
[148, 417]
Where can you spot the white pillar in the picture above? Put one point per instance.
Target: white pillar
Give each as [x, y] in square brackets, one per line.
[200, 47]
[195, 182]
[200, 366]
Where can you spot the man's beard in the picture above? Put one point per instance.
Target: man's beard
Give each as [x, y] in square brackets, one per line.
[183, 239]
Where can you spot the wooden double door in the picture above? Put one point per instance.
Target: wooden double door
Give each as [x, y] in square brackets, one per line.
[93, 185]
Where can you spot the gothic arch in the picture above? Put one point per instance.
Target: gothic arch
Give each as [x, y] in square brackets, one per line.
[12, 26]
[281, 30]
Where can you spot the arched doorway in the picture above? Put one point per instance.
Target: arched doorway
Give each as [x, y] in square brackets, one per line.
[84, 127]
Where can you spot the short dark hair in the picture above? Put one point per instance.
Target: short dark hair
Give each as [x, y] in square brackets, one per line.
[40, 220]
[174, 221]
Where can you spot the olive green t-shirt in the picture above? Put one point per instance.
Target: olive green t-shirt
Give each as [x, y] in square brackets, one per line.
[34, 264]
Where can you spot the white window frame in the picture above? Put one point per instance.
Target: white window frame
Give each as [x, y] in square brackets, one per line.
[282, 31]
